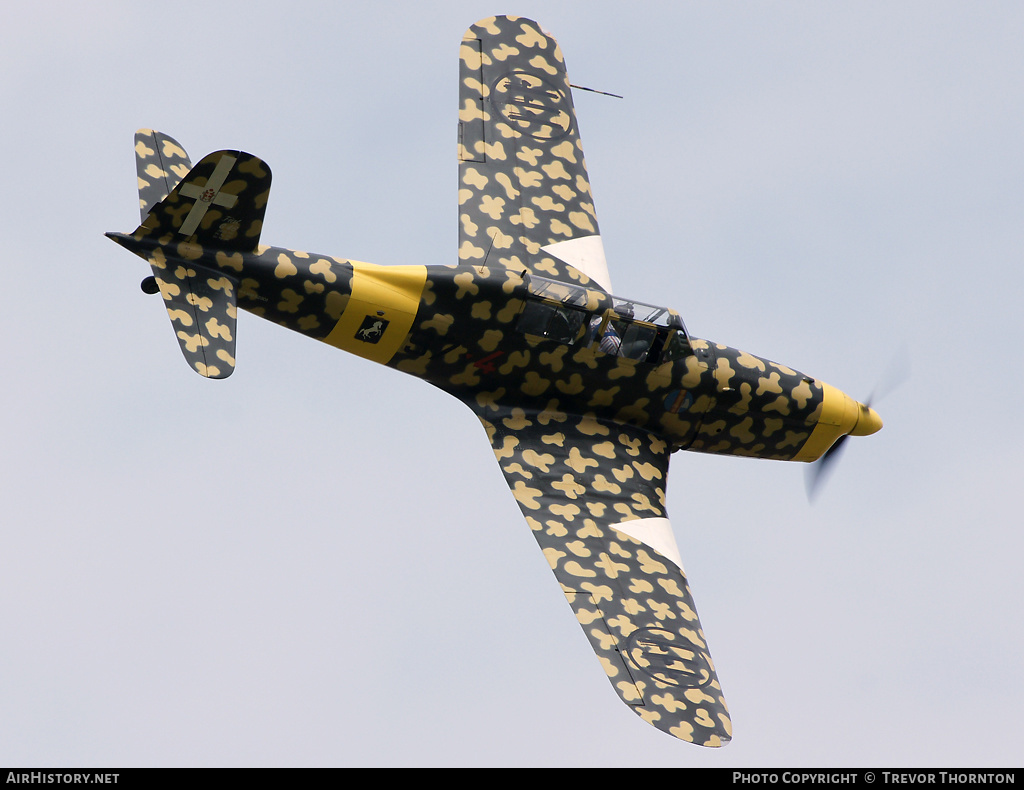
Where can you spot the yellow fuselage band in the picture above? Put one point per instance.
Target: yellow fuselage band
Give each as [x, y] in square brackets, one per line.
[389, 295]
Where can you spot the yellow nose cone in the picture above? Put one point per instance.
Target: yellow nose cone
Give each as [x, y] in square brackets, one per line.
[840, 414]
[868, 422]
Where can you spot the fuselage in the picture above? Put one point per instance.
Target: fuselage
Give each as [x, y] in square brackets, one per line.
[498, 336]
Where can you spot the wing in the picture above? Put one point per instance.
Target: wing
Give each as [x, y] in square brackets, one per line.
[524, 195]
[593, 493]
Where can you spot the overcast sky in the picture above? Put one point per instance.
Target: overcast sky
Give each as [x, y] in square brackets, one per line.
[317, 561]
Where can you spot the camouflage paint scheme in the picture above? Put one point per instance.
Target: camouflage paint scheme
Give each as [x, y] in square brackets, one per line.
[519, 331]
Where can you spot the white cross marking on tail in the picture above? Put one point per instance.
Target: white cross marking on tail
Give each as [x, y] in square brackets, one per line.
[209, 195]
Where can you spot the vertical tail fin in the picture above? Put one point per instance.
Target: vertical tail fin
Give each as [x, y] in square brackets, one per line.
[218, 204]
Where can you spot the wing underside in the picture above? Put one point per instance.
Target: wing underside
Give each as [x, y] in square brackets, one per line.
[593, 493]
[524, 195]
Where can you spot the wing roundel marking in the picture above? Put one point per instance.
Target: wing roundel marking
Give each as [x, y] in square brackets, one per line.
[532, 105]
[669, 658]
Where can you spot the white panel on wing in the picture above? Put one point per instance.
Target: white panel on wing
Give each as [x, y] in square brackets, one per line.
[656, 533]
[586, 253]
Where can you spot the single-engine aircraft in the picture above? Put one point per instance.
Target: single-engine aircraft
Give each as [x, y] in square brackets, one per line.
[584, 394]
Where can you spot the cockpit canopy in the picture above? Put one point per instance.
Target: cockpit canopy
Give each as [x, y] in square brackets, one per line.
[574, 315]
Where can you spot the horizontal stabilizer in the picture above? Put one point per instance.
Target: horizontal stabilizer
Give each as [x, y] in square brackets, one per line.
[160, 163]
[202, 307]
